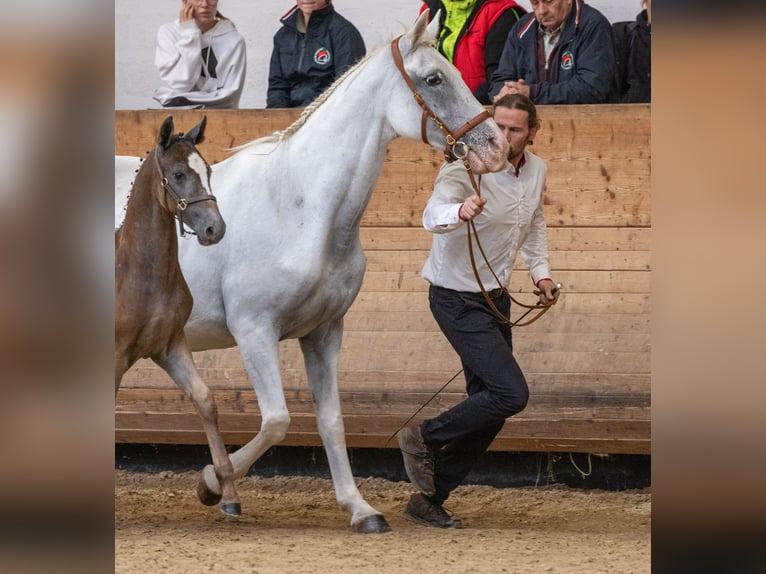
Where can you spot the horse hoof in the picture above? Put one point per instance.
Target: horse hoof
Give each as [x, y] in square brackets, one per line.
[205, 495]
[231, 508]
[373, 524]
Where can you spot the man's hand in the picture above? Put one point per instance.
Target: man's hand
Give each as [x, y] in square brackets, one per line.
[472, 207]
[549, 292]
[520, 87]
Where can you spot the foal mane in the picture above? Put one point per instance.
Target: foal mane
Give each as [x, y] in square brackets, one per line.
[279, 136]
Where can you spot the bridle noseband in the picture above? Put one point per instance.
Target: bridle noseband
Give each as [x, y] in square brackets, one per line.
[457, 149]
[181, 202]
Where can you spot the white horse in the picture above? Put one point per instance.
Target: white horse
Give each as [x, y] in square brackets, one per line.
[291, 262]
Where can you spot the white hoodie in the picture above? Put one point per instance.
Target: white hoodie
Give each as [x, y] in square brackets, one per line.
[207, 69]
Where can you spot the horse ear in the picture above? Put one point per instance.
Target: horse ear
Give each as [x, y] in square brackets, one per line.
[424, 31]
[415, 36]
[166, 133]
[432, 30]
[197, 134]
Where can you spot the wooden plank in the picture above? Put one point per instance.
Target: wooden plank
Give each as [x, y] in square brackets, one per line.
[609, 445]
[412, 260]
[421, 320]
[569, 132]
[559, 239]
[583, 192]
[517, 434]
[596, 303]
[590, 281]
[146, 376]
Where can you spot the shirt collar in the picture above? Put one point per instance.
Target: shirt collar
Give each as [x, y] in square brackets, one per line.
[516, 170]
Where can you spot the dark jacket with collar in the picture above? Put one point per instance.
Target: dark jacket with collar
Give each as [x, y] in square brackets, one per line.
[581, 66]
[480, 40]
[634, 59]
[303, 65]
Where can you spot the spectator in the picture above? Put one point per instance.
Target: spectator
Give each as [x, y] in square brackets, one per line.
[439, 453]
[563, 53]
[472, 34]
[314, 47]
[201, 58]
[633, 50]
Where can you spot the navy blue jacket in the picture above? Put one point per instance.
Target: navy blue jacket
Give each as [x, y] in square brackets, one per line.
[303, 65]
[581, 66]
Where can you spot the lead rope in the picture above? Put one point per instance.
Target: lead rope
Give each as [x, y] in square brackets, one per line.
[473, 235]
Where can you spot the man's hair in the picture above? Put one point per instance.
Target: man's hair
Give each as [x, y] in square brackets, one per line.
[519, 102]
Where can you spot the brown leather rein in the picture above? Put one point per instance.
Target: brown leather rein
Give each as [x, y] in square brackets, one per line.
[457, 149]
[181, 202]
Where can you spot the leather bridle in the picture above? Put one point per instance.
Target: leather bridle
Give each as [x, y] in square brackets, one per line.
[181, 202]
[457, 149]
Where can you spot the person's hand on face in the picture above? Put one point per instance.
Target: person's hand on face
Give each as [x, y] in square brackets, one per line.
[187, 12]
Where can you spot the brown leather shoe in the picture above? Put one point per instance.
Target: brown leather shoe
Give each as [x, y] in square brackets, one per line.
[418, 459]
[423, 511]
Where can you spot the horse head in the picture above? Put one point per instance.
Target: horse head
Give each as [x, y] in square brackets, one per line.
[185, 182]
[443, 101]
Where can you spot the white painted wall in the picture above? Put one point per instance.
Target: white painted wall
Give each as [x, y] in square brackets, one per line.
[136, 23]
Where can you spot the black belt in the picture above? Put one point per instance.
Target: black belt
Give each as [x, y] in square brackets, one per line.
[494, 294]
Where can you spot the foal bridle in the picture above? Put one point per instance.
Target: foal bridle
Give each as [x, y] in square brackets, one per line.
[456, 149]
[181, 202]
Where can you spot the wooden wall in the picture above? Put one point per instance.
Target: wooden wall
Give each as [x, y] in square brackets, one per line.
[587, 361]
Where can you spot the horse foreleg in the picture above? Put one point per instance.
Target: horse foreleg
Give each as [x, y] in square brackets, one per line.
[260, 355]
[321, 349]
[179, 364]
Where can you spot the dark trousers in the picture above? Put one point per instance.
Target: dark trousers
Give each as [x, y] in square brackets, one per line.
[495, 384]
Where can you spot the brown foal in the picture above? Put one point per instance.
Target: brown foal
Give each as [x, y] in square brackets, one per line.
[152, 299]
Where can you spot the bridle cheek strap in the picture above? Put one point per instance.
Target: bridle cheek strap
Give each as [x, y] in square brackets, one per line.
[455, 149]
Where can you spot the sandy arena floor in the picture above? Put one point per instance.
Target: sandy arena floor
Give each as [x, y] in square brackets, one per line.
[293, 525]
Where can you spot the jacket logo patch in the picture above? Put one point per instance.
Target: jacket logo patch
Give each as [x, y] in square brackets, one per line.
[567, 60]
[322, 56]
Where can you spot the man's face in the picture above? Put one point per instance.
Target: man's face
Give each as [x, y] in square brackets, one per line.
[551, 13]
[514, 124]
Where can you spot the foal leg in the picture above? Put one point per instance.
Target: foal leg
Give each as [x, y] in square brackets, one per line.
[179, 364]
[321, 349]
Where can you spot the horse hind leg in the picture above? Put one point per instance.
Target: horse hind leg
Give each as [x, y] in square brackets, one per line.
[320, 351]
[179, 364]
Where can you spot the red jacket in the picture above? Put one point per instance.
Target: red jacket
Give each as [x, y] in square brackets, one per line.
[480, 41]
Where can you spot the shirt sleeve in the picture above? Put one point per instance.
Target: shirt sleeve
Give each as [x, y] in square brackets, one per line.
[451, 188]
[234, 78]
[534, 250]
[178, 55]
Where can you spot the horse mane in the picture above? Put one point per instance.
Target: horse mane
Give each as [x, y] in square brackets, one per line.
[279, 136]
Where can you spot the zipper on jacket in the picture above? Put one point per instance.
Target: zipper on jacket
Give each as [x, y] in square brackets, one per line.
[303, 51]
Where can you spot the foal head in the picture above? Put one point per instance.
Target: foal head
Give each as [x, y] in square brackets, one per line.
[185, 182]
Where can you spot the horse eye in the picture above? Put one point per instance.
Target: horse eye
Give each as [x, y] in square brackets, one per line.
[179, 175]
[434, 80]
